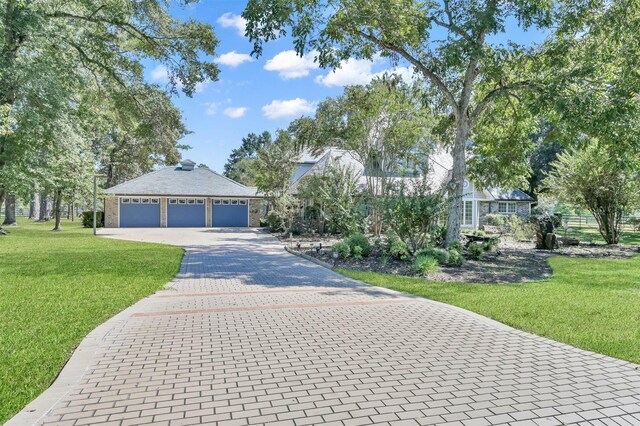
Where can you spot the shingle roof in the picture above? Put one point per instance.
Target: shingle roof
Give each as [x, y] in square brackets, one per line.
[331, 158]
[510, 195]
[200, 181]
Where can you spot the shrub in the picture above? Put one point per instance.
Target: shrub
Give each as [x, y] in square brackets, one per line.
[384, 260]
[479, 233]
[496, 219]
[476, 251]
[490, 245]
[342, 249]
[521, 229]
[425, 264]
[399, 250]
[87, 219]
[357, 252]
[438, 235]
[360, 240]
[441, 255]
[455, 258]
[412, 210]
[456, 245]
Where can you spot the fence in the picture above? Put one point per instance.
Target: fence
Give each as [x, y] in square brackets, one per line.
[629, 223]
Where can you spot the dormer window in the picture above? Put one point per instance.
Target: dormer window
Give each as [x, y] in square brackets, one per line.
[187, 165]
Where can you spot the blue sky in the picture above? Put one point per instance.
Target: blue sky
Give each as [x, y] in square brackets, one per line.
[254, 95]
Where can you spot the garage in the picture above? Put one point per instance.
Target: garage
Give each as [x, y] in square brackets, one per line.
[186, 212]
[230, 213]
[136, 212]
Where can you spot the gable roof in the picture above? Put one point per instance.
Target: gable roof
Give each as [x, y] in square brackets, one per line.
[510, 195]
[331, 158]
[173, 180]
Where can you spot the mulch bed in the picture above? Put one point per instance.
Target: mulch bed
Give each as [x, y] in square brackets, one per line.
[513, 262]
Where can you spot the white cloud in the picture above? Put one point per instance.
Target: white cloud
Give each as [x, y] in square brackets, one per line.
[288, 108]
[234, 21]
[235, 112]
[289, 65]
[360, 71]
[233, 59]
[160, 73]
[211, 108]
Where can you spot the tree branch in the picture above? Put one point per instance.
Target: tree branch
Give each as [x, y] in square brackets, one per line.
[431, 75]
[486, 101]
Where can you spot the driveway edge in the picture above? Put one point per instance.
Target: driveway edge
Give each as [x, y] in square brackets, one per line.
[309, 258]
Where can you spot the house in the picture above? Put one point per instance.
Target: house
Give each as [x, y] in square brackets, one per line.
[181, 196]
[477, 202]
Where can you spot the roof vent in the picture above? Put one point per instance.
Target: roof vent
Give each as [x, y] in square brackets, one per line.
[187, 165]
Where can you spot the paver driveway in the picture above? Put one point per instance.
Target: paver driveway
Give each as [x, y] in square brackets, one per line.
[249, 334]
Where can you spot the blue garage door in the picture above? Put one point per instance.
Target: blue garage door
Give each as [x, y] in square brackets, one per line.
[230, 213]
[138, 212]
[186, 212]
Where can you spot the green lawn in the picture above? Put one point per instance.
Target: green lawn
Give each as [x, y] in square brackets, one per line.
[56, 287]
[588, 303]
[592, 235]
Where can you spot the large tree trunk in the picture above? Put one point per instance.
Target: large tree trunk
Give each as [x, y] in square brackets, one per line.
[10, 210]
[458, 173]
[45, 209]
[57, 210]
[33, 206]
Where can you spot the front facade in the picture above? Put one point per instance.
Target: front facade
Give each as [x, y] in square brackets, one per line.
[182, 196]
[477, 202]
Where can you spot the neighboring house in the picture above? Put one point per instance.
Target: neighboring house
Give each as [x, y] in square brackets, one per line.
[478, 202]
[182, 196]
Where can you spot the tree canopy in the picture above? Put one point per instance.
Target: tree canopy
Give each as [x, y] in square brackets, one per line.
[452, 45]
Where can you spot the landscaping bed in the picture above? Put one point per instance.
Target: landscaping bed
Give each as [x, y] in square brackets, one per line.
[513, 262]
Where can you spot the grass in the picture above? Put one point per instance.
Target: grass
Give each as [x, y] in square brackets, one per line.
[592, 235]
[58, 286]
[587, 303]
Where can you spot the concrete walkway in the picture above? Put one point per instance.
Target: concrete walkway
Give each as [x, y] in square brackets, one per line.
[249, 334]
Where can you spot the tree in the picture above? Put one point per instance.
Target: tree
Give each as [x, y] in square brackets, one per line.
[275, 166]
[240, 164]
[132, 144]
[594, 177]
[383, 124]
[451, 44]
[334, 198]
[412, 211]
[57, 50]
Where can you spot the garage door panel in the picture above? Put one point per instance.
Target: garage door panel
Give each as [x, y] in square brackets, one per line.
[186, 215]
[231, 215]
[139, 215]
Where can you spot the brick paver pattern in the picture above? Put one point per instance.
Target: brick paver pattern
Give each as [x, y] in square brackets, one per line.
[249, 334]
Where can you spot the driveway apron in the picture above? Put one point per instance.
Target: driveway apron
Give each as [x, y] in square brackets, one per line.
[249, 334]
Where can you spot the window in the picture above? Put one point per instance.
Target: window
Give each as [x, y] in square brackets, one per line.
[243, 202]
[200, 202]
[144, 201]
[467, 213]
[225, 202]
[173, 201]
[155, 201]
[135, 201]
[190, 201]
[216, 202]
[234, 202]
[182, 201]
[507, 207]
[125, 201]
